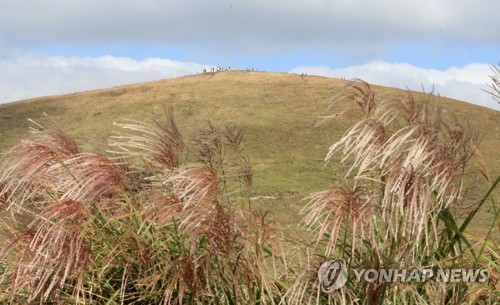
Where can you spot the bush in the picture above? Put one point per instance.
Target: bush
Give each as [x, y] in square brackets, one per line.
[150, 222]
[406, 169]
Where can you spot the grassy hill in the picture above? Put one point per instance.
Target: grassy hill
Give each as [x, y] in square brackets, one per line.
[277, 112]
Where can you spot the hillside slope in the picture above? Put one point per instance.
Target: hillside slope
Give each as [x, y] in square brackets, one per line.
[278, 113]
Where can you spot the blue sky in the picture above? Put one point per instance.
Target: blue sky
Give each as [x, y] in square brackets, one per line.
[51, 47]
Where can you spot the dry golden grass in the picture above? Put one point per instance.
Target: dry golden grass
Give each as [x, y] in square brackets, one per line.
[277, 112]
[149, 183]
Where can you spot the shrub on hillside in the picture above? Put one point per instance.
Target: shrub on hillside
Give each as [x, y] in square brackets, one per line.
[407, 165]
[155, 220]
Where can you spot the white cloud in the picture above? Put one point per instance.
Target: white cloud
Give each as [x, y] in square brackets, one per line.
[462, 83]
[26, 75]
[251, 25]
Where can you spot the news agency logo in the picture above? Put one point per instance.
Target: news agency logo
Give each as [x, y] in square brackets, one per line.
[422, 275]
[332, 275]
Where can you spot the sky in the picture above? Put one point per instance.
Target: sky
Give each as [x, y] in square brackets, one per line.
[52, 47]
